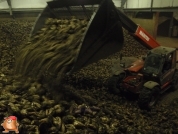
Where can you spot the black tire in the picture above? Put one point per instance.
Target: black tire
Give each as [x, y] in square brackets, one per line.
[148, 97]
[175, 81]
[114, 83]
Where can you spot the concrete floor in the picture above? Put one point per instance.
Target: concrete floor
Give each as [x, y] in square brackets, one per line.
[167, 41]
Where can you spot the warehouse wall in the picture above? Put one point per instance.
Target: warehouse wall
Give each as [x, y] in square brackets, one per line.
[24, 4]
[147, 3]
[165, 3]
[138, 3]
[147, 24]
[163, 25]
[35, 4]
[129, 3]
[175, 15]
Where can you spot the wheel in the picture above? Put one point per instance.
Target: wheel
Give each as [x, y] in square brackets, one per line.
[114, 83]
[148, 97]
[175, 81]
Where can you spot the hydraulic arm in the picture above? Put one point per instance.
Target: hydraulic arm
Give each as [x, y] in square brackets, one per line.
[104, 33]
[137, 31]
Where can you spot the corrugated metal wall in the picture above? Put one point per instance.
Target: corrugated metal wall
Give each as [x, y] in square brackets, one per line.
[138, 4]
[147, 3]
[24, 4]
[129, 4]
[165, 3]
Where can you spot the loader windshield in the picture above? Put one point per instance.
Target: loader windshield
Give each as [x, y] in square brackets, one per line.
[152, 64]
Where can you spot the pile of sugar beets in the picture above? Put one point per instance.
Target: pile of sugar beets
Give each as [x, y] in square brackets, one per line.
[82, 105]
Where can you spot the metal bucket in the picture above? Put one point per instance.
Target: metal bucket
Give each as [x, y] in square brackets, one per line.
[104, 35]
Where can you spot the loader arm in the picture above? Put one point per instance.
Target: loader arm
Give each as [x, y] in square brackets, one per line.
[103, 35]
[138, 32]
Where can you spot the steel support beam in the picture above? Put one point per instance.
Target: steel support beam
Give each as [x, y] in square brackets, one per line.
[123, 3]
[151, 6]
[171, 26]
[156, 19]
[161, 9]
[10, 7]
[2, 1]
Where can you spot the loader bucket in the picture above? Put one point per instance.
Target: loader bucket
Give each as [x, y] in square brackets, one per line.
[103, 36]
[64, 9]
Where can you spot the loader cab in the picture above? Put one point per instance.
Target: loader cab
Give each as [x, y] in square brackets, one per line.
[160, 64]
[152, 64]
[168, 63]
